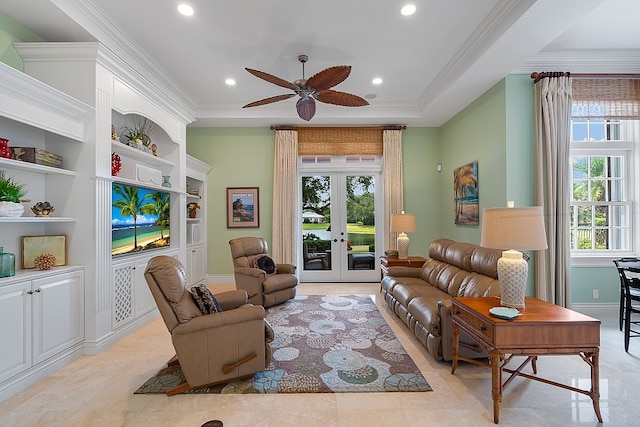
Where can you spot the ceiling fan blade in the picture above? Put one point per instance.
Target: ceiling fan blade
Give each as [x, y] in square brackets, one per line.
[329, 77]
[269, 100]
[273, 79]
[336, 97]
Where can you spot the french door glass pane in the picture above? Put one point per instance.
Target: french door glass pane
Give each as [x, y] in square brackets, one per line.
[361, 227]
[316, 222]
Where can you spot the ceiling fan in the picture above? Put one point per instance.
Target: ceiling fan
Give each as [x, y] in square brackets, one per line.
[317, 87]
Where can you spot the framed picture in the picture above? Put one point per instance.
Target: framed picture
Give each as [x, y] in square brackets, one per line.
[32, 246]
[465, 187]
[243, 207]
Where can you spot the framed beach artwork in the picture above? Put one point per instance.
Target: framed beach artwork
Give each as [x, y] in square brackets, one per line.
[465, 187]
[243, 207]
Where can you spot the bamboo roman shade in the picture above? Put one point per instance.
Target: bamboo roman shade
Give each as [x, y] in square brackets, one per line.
[606, 98]
[339, 141]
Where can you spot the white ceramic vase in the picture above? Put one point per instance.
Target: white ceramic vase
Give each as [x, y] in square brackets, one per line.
[11, 209]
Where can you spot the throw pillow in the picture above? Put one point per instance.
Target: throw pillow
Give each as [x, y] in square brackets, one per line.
[205, 300]
[266, 263]
[269, 334]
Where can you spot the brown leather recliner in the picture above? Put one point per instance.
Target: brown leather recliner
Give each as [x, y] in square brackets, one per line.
[213, 348]
[262, 288]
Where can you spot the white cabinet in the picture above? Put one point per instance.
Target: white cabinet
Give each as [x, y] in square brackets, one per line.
[196, 255]
[58, 313]
[42, 318]
[15, 335]
[132, 298]
[196, 264]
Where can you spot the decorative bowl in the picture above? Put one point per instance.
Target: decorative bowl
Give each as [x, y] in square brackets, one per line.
[42, 209]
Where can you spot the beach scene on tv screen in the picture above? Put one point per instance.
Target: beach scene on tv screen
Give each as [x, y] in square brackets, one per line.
[139, 219]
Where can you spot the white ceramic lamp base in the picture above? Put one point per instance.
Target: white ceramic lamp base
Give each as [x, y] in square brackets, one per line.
[403, 246]
[512, 274]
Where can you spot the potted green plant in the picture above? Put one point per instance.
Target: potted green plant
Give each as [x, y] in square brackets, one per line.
[11, 193]
[140, 133]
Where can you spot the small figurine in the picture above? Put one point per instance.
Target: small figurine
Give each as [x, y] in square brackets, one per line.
[114, 136]
[154, 150]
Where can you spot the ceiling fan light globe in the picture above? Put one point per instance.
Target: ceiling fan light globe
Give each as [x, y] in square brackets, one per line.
[306, 108]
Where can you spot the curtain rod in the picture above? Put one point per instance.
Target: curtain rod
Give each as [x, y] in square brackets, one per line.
[539, 76]
[388, 127]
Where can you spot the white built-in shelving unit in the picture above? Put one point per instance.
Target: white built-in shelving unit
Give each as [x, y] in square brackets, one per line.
[66, 101]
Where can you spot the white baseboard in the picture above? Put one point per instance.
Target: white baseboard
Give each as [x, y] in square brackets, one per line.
[93, 348]
[221, 279]
[596, 310]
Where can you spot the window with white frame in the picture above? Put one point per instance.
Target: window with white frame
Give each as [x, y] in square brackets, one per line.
[602, 186]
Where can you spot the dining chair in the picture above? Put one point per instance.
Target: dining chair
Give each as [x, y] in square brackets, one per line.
[621, 263]
[631, 307]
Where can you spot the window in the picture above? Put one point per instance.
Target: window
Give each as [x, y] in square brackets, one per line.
[602, 190]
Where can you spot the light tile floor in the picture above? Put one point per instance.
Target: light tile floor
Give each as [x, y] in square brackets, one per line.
[98, 390]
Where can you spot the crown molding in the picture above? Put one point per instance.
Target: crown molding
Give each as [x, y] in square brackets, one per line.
[30, 101]
[583, 61]
[143, 68]
[498, 21]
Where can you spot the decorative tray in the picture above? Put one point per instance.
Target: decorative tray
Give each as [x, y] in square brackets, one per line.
[504, 312]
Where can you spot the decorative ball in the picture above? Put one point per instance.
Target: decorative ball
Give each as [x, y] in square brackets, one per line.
[44, 261]
[116, 164]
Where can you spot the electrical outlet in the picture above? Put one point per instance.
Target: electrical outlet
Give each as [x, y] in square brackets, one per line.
[595, 294]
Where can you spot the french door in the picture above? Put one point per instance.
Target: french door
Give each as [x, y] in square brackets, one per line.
[339, 223]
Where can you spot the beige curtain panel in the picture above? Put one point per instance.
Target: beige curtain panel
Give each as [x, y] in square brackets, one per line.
[552, 109]
[284, 241]
[393, 183]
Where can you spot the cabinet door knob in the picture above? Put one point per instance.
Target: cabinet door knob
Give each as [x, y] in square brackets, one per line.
[456, 312]
[38, 290]
[483, 328]
[29, 292]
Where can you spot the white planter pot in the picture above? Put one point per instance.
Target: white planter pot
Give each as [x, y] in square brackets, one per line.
[11, 209]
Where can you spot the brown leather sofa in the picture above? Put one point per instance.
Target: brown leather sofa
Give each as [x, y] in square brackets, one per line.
[421, 298]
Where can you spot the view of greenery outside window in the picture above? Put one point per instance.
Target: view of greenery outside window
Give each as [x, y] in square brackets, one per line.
[602, 152]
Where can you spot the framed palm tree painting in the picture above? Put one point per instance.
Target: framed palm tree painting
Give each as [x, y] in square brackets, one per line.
[465, 187]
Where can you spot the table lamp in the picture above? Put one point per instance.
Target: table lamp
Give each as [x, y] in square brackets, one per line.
[517, 229]
[403, 223]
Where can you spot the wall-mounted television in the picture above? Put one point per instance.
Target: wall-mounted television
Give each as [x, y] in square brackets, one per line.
[140, 219]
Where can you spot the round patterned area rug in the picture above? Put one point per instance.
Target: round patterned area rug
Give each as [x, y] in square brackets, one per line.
[323, 344]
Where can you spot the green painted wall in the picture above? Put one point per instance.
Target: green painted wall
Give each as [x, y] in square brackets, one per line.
[420, 155]
[476, 133]
[11, 31]
[243, 157]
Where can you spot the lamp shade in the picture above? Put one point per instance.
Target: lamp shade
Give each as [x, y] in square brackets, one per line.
[513, 228]
[403, 223]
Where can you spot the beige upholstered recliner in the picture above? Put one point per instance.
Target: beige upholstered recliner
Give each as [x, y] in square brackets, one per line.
[213, 348]
[263, 288]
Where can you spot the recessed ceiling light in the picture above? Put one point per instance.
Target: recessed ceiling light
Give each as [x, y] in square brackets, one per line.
[376, 81]
[185, 9]
[230, 82]
[408, 9]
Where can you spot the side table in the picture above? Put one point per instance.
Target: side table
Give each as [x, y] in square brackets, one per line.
[542, 329]
[386, 263]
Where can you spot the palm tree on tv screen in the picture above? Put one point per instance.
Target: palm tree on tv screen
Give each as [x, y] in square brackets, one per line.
[158, 205]
[129, 205]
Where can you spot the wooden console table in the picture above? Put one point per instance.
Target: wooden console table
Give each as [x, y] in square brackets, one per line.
[412, 261]
[542, 329]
